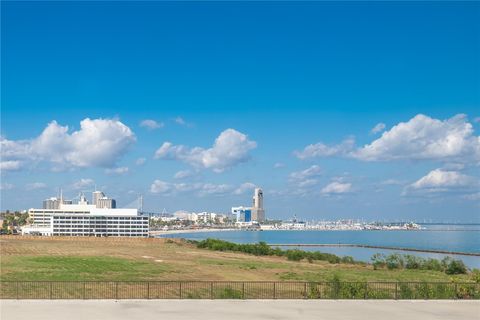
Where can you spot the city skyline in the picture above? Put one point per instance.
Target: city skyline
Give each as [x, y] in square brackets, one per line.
[194, 111]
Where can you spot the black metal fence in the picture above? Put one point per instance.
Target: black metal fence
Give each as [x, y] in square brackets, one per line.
[235, 290]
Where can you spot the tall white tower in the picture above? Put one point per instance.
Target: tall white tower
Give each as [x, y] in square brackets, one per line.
[258, 213]
[258, 199]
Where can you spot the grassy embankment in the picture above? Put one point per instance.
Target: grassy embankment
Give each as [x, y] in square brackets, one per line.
[29, 258]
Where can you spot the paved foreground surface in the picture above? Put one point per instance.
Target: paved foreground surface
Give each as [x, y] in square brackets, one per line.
[238, 309]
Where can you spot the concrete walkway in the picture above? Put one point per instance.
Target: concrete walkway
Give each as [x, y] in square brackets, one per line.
[238, 309]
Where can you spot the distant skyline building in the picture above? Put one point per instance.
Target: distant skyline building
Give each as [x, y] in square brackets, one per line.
[96, 195]
[256, 213]
[51, 203]
[106, 202]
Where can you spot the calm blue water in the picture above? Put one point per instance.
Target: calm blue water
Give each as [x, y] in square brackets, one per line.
[454, 240]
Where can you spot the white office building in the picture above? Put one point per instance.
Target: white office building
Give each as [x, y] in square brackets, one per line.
[85, 219]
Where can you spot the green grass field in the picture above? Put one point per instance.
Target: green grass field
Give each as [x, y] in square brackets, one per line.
[156, 259]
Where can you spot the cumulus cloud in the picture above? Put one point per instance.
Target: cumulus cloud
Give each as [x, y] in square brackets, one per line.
[10, 165]
[35, 186]
[420, 138]
[313, 171]
[98, 143]
[278, 165]
[116, 171]
[391, 182]
[83, 183]
[336, 188]
[183, 174]
[230, 149]
[199, 189]
[440, 180]
[244, 187]
[319, 150]
[140, 161]
[151, 124]
[423, 138]
[379, 127]
[472, 196]
[6, 186]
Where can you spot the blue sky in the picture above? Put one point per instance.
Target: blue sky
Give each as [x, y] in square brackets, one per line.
[282, 76]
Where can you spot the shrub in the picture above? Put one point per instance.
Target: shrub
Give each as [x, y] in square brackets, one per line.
[394, 261]
[295, 255]
[456, 267]
[378, 260]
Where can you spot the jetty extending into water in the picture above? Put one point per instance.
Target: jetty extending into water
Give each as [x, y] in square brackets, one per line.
[475, 254]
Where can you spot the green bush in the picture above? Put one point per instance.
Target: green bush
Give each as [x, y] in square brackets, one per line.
[394, 261]
[263, 249]
[456, 267]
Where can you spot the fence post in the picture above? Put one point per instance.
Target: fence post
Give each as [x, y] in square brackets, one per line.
[305, 289]
[84, 290]
[243, 290]
[116, 290]
[396, 290]
[366, 291]
[51, 293]
[274, 290]
[211, 290]
[148, 290]
[180, 290]
[456, 291]
[16, 289]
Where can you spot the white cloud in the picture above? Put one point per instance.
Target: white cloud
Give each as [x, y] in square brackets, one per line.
[198, 189]
[379, 127]
[230, 148]
[181, 121]
[10, 165]
[183, 174]
[420, 138]
[35, 186]
[278, 165]
[336, 188]
[140, 161]
[472, 196]
[322, 150]
[83, 183]
[439, 180]
[244, 187]
[119, 170]
[151, 124]
[159, 186]
[423, 138]
[98, 143]
[391, 182]
[6, 186]
[313, 171]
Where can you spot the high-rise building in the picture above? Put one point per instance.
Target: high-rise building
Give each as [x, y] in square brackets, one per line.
[258, 213]
[97, 195]
[106, 202]
[51, 203]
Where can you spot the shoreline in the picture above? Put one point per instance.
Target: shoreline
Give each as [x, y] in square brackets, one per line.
[471, 254]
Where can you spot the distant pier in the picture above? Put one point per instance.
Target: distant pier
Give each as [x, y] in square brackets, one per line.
[474, 254]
